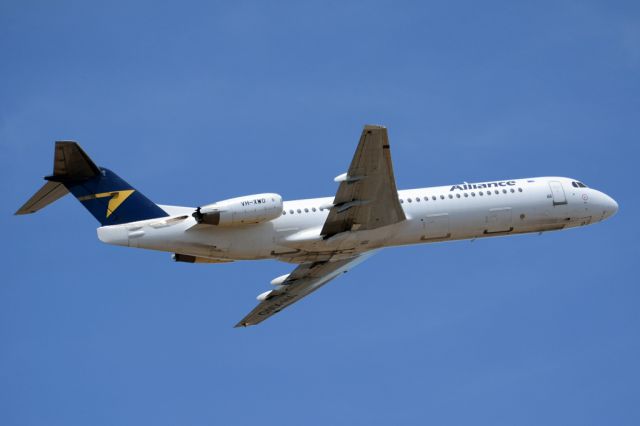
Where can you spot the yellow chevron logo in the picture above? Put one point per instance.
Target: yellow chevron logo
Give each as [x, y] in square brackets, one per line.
[117, 198]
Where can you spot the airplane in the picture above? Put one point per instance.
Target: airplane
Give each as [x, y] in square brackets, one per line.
[325, 237]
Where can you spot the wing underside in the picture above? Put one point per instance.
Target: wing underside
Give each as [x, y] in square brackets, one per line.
[304, 280]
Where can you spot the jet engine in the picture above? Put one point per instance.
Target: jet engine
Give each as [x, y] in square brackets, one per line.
[238, 211]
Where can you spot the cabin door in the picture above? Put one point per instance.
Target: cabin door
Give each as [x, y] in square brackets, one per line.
[558, 193]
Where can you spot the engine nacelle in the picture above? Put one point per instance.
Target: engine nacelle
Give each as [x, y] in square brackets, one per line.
[245, 210]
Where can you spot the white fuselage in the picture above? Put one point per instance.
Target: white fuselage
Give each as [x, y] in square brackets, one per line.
[445, 213]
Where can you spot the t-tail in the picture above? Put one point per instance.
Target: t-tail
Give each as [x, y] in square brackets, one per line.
[108, 198]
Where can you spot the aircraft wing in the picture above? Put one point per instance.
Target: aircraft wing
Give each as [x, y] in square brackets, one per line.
[305, 279]
[367, 197]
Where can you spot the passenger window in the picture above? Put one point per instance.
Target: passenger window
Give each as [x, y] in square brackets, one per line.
[513, 190]
[457, 195]
[299, 211]
[450, 196]
[433, 198]
[313, 208]
[497, 192]
[504, 191]
[408, 200]
[417, 199]
[481, 193]
[473, 194]
[284, 212]
[426, 198]
[488, 192]
[291, 211]
[401, 201]
[519, 189]
[442, 197]
[306, 210]
[466, 195]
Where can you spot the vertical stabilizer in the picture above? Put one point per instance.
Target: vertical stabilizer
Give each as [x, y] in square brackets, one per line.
[108, 197]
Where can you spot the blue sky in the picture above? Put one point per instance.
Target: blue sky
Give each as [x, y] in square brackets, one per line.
[194, 102]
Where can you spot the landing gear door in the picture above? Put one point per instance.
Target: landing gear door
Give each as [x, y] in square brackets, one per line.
[557, 192]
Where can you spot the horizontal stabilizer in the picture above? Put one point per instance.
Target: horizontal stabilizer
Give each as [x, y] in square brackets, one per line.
[49, 193]
[71, 163]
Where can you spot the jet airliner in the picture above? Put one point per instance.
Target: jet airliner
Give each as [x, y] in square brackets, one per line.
[323, 237]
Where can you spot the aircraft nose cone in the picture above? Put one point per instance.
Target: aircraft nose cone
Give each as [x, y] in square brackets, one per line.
[611, 206]
[607, 204]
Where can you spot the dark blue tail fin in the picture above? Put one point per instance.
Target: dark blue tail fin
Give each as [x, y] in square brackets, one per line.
[108, 198]
[113, 201]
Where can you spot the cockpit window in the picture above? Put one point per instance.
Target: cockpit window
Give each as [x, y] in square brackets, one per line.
[578, 185]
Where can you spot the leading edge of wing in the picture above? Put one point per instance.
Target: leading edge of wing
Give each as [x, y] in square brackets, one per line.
[302, 281]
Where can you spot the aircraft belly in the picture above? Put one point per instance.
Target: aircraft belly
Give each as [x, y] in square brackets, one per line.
[311, 240]
[255, 242]
[185, 239]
